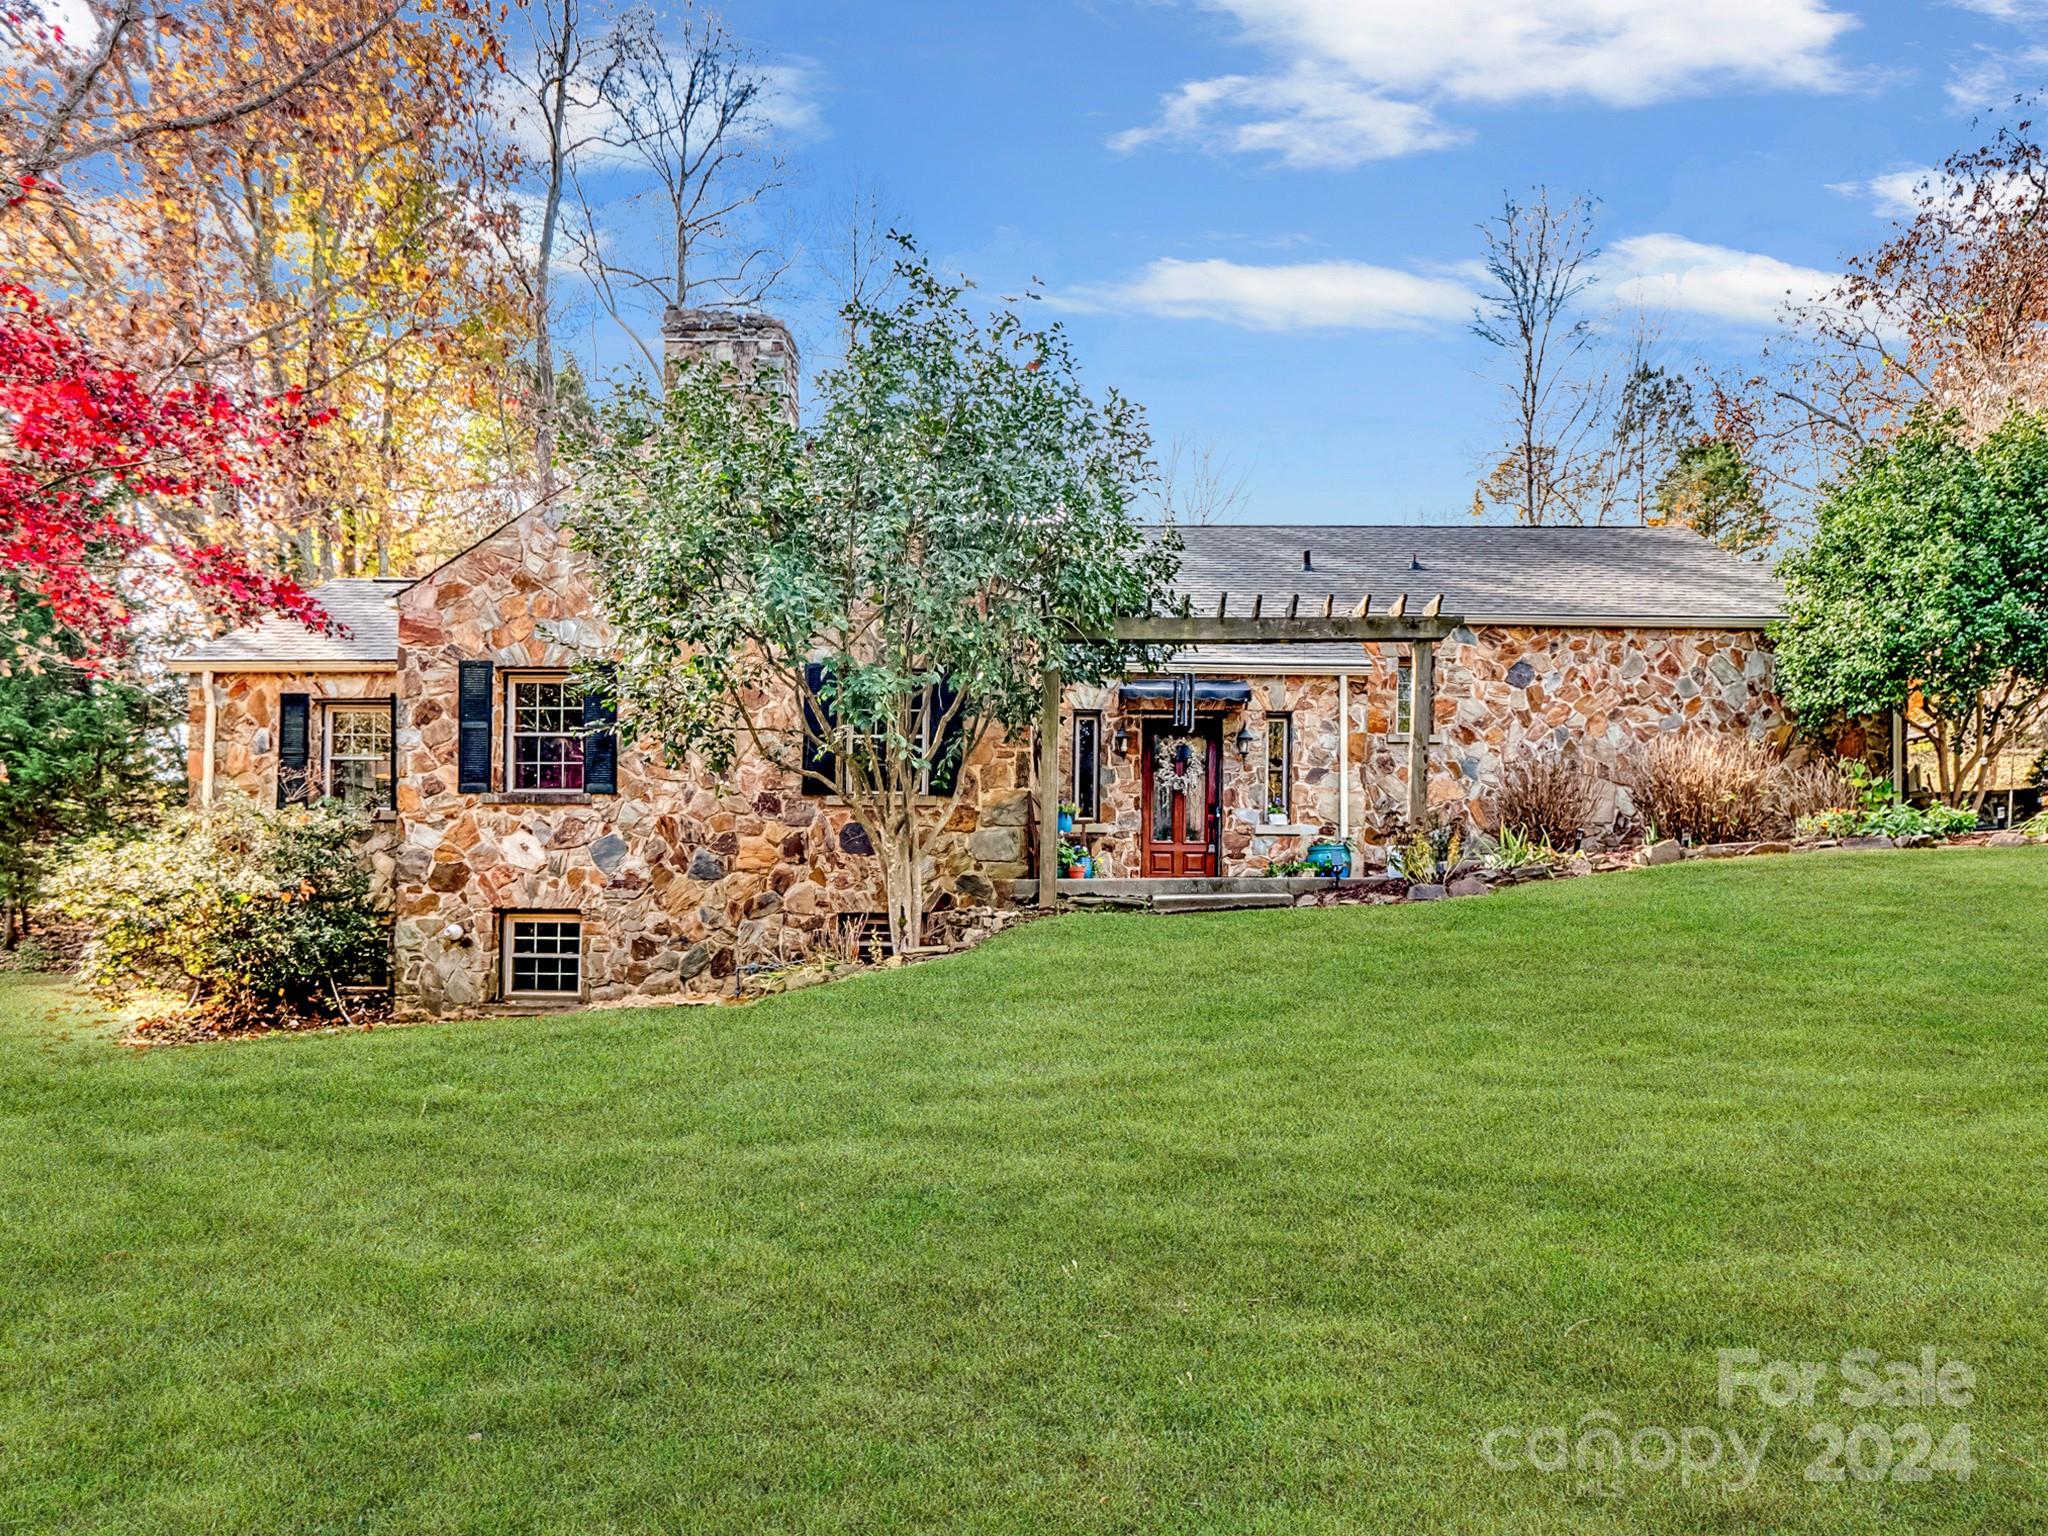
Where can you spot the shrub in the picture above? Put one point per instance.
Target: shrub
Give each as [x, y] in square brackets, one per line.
[1702, 787]
[1792, 793]
[250, 910]
[1545, 797]
[1935, 820]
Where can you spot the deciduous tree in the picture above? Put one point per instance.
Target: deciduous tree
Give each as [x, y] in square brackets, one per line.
[862, 603]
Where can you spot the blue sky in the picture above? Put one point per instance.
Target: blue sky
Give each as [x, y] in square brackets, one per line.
[1258, 216]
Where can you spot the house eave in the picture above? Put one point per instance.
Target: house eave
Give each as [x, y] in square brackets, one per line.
[201, 664]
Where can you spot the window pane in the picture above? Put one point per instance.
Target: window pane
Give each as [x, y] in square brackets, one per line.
[1277, 763]
[547, 744]
[1087, 760]
[1404, 682]
[546, 955]
[359, 754]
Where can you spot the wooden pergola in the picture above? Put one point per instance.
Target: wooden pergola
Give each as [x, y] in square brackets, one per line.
[1419, 632]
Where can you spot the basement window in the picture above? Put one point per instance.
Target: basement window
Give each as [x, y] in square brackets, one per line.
[543, 955]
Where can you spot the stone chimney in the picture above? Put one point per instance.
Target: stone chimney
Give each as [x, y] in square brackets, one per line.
[758, 346]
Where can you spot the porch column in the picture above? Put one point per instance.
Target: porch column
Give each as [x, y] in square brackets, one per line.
[1421, 713]
[1048, 786]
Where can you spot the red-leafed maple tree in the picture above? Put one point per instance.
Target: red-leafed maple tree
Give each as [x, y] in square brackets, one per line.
[97, 469]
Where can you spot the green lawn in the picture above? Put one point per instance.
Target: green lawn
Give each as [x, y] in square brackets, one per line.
[1247, 1222]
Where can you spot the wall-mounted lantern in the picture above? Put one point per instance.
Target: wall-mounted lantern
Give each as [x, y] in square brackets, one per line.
[1245, 740]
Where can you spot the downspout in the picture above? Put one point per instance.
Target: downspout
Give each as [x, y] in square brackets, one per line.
[1344, 756]
[206, 737]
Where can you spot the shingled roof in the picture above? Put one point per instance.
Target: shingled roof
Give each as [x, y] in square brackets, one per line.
[1656, 577]
[363, 606]
[1659, 577]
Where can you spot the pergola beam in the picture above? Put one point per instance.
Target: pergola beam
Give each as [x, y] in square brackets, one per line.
[1366, 629]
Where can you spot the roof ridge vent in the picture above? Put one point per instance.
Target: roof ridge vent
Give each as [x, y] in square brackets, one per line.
[1414, 562]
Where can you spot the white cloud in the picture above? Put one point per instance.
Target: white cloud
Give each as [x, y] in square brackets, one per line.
[1281, 297]
[1985, 78]
[789, 107]
[2006, 10]
[1893, 195]
[1307, 118]
[1355, 80]
[1673, 274]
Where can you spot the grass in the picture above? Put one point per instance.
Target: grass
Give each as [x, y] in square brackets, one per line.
[1238, 1223]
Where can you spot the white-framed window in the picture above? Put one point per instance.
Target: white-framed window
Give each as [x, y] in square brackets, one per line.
[543, 955]
[1279, 765]
[1087, 778]
[543, 733]
[358, 753]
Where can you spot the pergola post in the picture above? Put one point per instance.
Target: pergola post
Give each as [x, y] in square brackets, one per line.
[1421, 716]
[1049, 787]
[1898, 756]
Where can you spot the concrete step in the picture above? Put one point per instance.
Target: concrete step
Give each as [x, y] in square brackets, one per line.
[1025, 891]
[1219, 901]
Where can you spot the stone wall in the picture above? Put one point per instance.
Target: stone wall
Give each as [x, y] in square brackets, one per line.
[1500, 692]
[682, 878]
[245, 723]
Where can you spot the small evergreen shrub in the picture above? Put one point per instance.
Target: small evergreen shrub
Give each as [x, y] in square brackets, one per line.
[251, 911]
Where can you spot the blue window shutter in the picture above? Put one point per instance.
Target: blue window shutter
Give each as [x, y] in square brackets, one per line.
[294, 741]
[600, 741]
[820, 763]
[473, 763]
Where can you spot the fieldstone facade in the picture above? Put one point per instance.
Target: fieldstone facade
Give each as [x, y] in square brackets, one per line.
[682, 879]
[1500, 692]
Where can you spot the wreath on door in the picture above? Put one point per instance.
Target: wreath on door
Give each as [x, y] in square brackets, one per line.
[1181, 770]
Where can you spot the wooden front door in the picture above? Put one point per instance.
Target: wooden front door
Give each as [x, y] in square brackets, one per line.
[1183, 797]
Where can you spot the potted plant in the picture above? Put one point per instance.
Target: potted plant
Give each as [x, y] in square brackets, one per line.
[1276, 814]
[1331, 856]
[1068, 812]
[1073, 860]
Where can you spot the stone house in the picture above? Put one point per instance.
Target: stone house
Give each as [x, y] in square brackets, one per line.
[527, 856]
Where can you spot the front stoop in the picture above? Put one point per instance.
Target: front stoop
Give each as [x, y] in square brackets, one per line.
[1220, 901]
[1183, 894]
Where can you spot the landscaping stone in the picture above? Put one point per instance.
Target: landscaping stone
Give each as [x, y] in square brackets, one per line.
[1666, 852]
[1427, 893]
[2006, 839]
[1577, 864]
[1723, 850]
[1770, 847]
[1864, 844]
[1468, 885]
[1372, 885]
